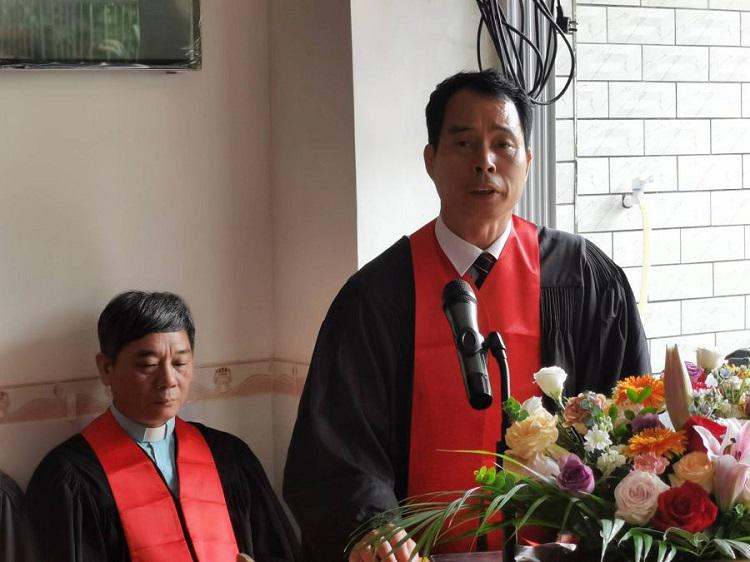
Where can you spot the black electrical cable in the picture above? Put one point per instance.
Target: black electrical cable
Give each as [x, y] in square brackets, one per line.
[509, 41]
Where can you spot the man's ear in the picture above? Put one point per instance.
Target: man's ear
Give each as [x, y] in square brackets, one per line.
[105, 366]
[429, 156]
[529, 157]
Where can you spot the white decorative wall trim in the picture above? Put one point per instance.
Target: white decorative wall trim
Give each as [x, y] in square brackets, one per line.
[70, 399]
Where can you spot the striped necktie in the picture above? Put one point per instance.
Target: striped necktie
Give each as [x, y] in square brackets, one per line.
[482, 266]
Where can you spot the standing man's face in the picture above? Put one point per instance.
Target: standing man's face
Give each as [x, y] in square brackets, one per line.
[481, 163]
[151, 377]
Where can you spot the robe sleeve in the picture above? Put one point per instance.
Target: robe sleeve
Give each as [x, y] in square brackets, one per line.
[590, 321]
[349, 450]
[613, 342]
[63, 505]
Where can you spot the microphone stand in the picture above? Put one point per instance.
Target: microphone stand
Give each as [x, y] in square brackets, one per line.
[495, 344]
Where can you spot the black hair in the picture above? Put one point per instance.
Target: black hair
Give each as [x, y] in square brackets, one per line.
[489, 83]
[134, 314]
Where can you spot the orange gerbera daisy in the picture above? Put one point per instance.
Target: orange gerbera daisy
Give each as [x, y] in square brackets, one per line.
[655, 400]
[659, 441]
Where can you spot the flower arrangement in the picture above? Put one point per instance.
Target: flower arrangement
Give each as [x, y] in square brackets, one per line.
[614, 469]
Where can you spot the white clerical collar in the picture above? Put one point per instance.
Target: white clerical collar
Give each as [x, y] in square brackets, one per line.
[462, 253]
[141, 433]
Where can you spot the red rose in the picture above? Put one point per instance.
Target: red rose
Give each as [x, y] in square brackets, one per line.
[695, 443]
[687, 507]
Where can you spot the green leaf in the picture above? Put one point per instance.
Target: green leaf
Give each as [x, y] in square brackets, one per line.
[645, 392]
[629, 414]
[486, 476]
[741, 547]
[648, 542]
[480, 474]
[566, 514]
[491, 476]
[641, 542]
[693, 539]
[724, 547]
[633, 395]
[531, 509]
[650, 410]
[610, 529]
[638, 547]
[622, 430]
[661, 552]
[613, 413]
[513, 408]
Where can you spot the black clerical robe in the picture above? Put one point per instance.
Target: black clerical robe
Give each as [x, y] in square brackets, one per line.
[15, 537]
[349, 455]
[75, 519]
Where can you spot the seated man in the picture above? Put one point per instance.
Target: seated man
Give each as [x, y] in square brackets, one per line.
[138, 483]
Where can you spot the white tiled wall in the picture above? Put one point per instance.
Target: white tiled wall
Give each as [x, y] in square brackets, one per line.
[663, 93]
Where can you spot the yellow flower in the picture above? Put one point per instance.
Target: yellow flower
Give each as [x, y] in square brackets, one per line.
[532, 435]
[694, 467]
[656, 400]
[660, 441]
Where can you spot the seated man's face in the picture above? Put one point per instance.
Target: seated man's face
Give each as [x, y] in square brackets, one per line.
[151, 377]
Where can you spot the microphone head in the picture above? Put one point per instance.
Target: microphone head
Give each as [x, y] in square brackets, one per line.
[457, 291]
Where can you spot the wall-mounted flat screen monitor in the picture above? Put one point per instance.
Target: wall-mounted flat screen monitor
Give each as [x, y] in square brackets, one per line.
[161, 34]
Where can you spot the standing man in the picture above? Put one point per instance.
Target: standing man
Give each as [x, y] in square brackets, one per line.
[384, 397]
[140, 484]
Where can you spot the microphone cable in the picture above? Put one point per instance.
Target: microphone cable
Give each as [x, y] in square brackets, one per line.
[509, 42]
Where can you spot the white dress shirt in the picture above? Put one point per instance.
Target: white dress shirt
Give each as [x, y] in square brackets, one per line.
[461, 253]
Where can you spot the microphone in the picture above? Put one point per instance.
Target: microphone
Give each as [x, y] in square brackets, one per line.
[460, 306]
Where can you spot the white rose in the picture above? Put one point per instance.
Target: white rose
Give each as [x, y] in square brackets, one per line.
[551, 381]
[709, 358]
[532, 404]
[636, 496]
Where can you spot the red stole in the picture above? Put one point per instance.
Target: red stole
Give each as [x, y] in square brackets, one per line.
[442, 418]
[146, 506]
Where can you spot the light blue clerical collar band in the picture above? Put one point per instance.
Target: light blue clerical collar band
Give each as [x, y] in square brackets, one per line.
[141, 433]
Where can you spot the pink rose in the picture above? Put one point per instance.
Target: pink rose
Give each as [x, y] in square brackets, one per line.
[636, 496]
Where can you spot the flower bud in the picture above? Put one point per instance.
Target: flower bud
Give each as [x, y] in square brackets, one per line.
[677, 389]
